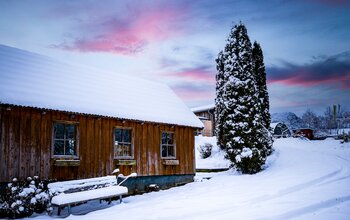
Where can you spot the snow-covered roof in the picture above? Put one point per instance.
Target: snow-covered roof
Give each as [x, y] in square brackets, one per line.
[203, 108]
[274, 124]
[33, 80]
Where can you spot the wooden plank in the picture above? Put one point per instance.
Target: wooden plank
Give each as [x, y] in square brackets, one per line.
[25, 142]
[144, 149]
[82, 172]
[35, 155]
[186, 149]
[109, 146]
[103, 147]
[156, 150]
[193, 157]
[56, 172]
[67, 163]
[150, 149]
[45, 143]
[100, 161]
[171, 162]
[95, 147]
[137, 144]
[3, 151]
[126, 162]
[90, 147]
[13, 151]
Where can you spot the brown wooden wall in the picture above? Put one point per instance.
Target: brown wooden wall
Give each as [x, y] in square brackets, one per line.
[26, 139]
[209, 122]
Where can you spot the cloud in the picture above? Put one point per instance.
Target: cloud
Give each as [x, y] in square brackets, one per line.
[338, 3]
[194, 91]
[334, 70]
[202, 73]
[128, 32]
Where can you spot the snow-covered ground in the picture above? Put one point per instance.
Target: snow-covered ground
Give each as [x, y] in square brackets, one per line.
[216, 160]
[304, 180]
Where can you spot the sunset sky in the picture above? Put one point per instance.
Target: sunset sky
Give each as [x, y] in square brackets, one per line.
[306, 43]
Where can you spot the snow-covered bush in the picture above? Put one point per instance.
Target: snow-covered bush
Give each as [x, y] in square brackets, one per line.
[205, 150]
[248, 160]
[22, 198]
[345, 138]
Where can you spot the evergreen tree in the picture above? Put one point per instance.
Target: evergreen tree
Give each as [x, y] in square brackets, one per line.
[263, 96]
[260, 78]
[239, 121]
[219, 102]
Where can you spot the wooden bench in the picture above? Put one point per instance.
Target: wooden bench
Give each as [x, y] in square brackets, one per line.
[78, 191]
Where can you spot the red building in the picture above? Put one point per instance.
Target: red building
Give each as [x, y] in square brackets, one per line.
[304, 132]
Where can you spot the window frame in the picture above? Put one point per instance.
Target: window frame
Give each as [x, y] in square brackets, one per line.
[131, 143]
[174, 144]
[77, 137]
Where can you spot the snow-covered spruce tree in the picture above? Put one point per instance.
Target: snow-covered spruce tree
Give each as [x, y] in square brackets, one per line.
[263, 96]
[241, 131]
[260, 78]
[220, 109]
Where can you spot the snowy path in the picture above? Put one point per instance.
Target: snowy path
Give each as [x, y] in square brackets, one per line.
[305, 180]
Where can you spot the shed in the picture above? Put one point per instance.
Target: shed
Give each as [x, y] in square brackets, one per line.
[304, 132]
[280, 130]
[64, 121]
[206, 115]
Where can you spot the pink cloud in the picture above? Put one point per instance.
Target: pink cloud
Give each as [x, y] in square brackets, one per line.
[190, 95]
[302, 79]
[198, 74]
[333, 70]
[131, 34]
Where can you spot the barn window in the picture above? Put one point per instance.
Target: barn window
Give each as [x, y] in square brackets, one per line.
[168, 145]
[64, 139]
[123, 143]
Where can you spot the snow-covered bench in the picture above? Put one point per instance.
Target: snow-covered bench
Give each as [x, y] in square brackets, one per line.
[78, 191]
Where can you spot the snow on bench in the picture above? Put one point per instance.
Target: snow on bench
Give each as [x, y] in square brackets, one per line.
[69, 194]
[101, 193]
[82, 184]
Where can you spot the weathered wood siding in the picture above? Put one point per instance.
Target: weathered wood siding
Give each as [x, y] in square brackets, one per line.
[26, 143]
[209, 123]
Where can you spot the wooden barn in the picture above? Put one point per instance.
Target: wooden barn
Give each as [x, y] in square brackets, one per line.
[206, 115]
[62, 121]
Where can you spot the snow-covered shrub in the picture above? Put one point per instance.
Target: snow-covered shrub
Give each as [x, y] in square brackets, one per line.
[248, 160]
[205, 150]
[345, 138]
[22, 198]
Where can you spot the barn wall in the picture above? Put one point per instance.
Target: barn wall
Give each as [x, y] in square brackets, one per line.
[209, 124]
[26, 142]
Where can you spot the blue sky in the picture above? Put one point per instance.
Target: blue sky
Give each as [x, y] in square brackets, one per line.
[306, 43]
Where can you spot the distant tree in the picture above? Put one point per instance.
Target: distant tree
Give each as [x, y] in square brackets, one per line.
[240, 129]
[311, 120]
